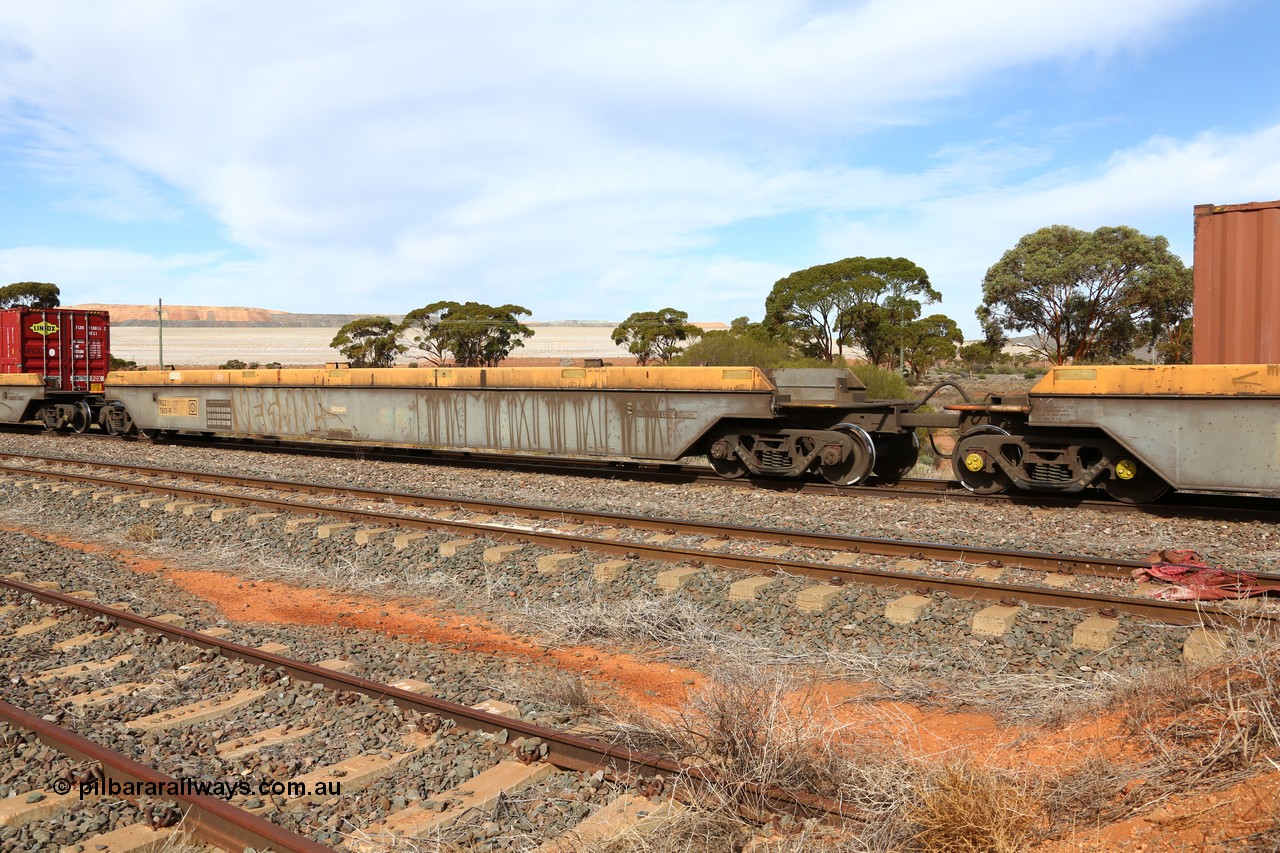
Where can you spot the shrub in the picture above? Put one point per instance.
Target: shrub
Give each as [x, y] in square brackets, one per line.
[733, 349]
[881, 384]
[233, 364]
[140, 533]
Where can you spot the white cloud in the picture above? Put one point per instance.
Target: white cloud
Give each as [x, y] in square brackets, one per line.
[378, 157]
[1152, 187]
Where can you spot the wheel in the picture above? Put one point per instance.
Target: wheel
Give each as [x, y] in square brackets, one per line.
[81, 417]
[970, 464]
[1135, 483]
[855, 467]
[896, 455]
[724, 459]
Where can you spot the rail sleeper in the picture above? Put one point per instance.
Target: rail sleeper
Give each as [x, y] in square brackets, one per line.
[359, 772]
[368, 534]
[627, 814]
[1205, 646]
[1096, 633]
[133, 838]
[35, 627]
[81, 669]
[607, 571]
[995, 621]
[816, 599]
[673, 579]
[749, 589]
[404, 540]
[451, 548]
[197, 712]
[498, 553]
[907, 609]
[550, 563]
[326, 531]
[481, 793]
[19, 809]
[236, 747]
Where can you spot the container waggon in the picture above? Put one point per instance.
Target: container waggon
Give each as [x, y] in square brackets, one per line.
[782, 423]
[1135, 432]
[53, 366]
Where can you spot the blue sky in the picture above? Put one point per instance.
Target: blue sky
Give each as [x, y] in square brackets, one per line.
[589, 159]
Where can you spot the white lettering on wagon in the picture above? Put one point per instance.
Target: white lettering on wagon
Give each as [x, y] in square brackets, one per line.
[667, 414]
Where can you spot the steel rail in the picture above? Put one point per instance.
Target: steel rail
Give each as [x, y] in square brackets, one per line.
[1001, 557]
[1176, 505]
[1172, 612]
[212, 819]
[565, 750]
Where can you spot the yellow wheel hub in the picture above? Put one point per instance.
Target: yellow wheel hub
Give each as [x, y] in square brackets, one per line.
[1126, 469]
[974, 462]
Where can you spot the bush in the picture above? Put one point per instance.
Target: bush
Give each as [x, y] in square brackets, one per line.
[881, 384]
[233, 364]
[122, 364]
[733, 349]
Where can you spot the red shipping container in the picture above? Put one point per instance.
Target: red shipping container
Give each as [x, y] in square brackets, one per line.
[70, 349]
[1237, 281]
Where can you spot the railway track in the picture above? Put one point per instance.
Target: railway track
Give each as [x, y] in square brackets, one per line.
[523, 752]
[1175, 505]
[844, 561]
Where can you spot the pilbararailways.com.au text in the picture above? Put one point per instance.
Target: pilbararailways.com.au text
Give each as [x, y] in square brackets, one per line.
[224, 789]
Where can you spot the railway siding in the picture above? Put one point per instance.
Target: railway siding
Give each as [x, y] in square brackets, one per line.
[441, 765]
[836, 618]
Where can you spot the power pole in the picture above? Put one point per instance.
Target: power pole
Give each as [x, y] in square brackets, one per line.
[160, 316]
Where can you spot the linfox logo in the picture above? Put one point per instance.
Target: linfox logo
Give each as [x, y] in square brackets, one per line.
[44, 327]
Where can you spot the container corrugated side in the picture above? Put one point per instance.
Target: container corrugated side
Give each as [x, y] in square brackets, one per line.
[71, 350]
[1237, 284]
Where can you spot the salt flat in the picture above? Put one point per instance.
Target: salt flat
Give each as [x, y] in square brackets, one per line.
[210, 347]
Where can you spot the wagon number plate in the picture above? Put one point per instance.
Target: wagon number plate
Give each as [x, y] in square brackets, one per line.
[179, 407]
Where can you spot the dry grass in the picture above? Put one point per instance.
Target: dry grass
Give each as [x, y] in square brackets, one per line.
[1214, 724]
[671, 629]
[971, 809]
[564, 691]
[761, 727]
[140, 533]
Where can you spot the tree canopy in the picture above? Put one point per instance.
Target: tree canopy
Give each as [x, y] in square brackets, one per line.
[475, 334]
[655, 335]
[929, 341]
[369, 342]
[30, 294]
[863, 302]
[1085, 295]
[421, 328]
[1167, 325]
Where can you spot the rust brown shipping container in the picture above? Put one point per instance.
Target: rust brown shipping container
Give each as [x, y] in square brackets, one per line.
[1237, 282]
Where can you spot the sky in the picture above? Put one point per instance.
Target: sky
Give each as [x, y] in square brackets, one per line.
[590, 159]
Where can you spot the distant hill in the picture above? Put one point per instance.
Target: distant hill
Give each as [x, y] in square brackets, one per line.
[211, 316]
[234, 316]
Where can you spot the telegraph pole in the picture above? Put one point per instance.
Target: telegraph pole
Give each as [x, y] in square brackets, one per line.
[160, 316]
